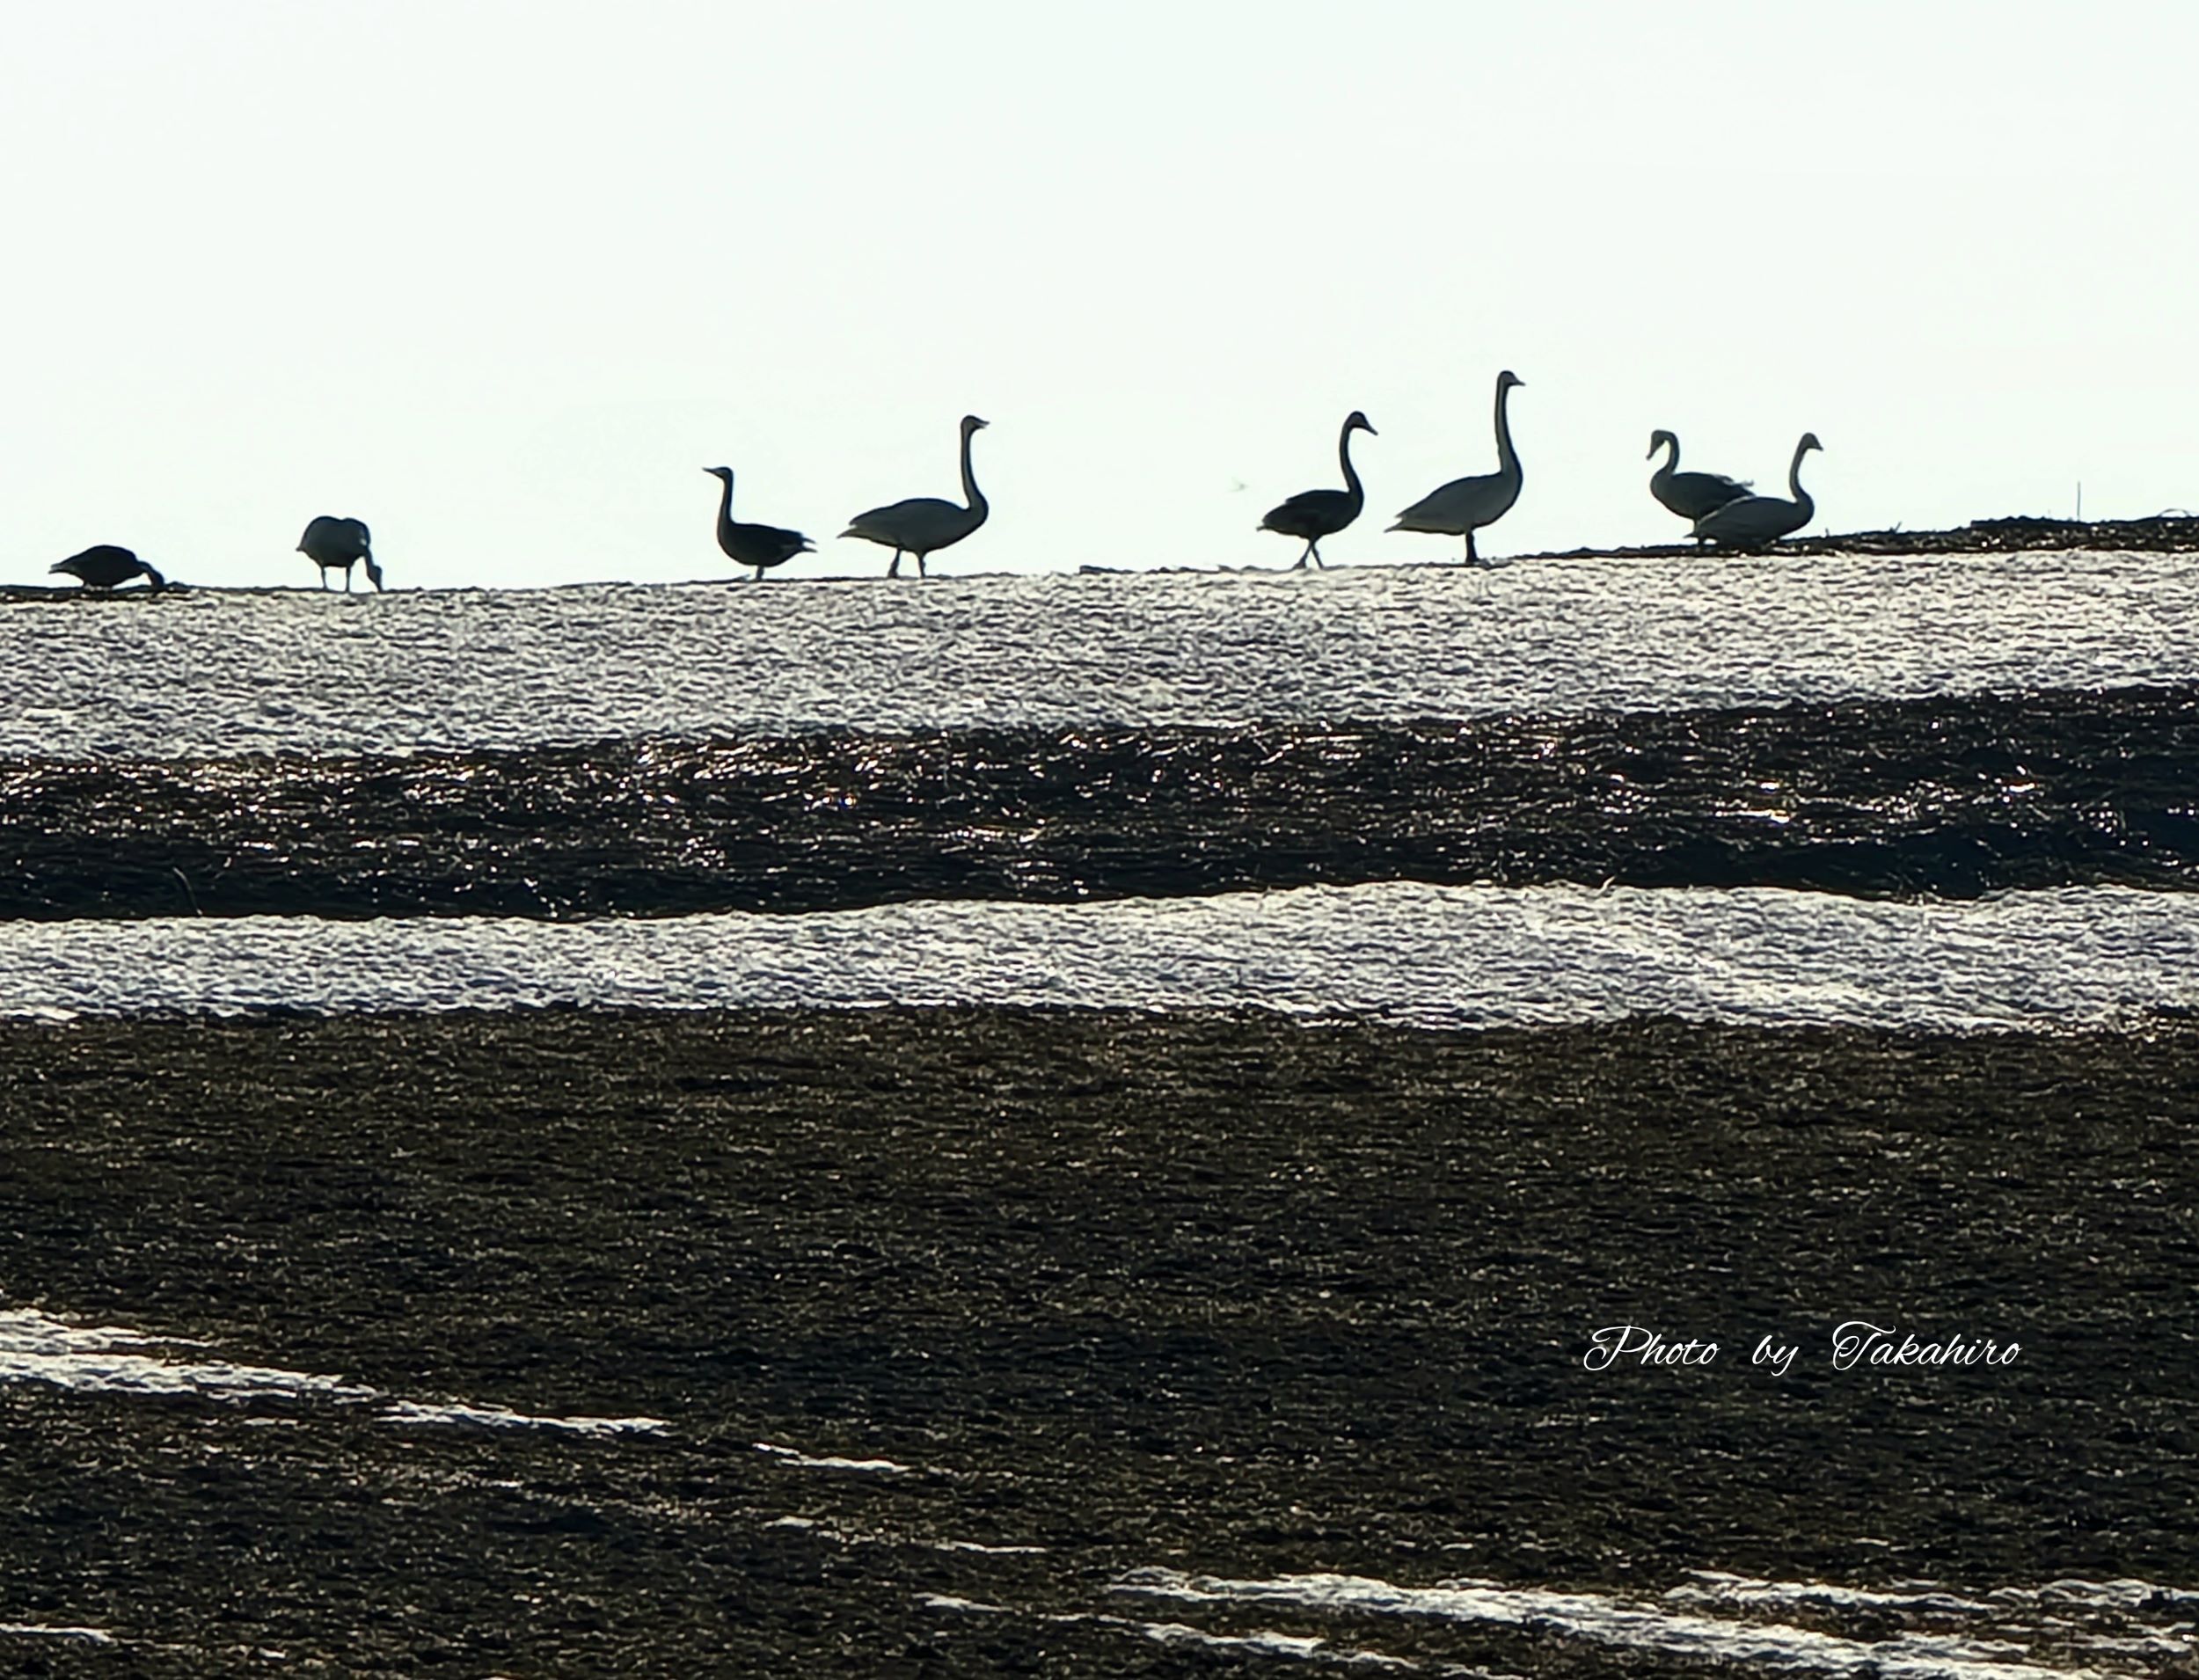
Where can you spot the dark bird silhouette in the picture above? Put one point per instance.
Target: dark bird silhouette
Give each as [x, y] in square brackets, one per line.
[330, 541]
[1756, 521]
[925, 524]
[1689, 494]
[1312, 515]
[1461, 507]
[105, 566]
[757, 545]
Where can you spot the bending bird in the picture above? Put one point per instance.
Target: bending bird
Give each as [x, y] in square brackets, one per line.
[1461, 507]
[1312, 515]
[330, 541]
[925, 524]
[105, 566]
[1689, 494]
[756, 546]
[1754, 522]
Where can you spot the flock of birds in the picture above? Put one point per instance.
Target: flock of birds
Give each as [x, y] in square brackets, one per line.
[329, 542]
[1720, 510]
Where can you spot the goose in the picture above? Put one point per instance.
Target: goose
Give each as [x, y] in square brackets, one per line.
[1689, 494]
[1755, 521]
[1465, 505]
[1315, 514]
[330, 541]
[104, 567]
[757, 545]
[925, 524]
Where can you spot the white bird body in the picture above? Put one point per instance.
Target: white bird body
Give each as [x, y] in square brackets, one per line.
[330, 541]
[925, 524]
[1312, 515]
[1754, 522]
[1464, 506]
[1689, 494]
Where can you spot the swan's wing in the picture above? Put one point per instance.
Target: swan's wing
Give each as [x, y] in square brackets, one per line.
[1717, 484]
[1328, 510]
[911, 524]
[1692, 495]
[1753, 518]
[1449, 509]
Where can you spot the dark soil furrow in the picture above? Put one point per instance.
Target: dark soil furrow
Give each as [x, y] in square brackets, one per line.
[1949, 797]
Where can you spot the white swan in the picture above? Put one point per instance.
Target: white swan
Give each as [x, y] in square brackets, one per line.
[925, 524]
[1753, 521]
[1465, 505]
[1689, 494]
[1315, 514]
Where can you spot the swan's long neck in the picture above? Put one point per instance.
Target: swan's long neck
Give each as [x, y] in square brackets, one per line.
[970, 492]
[725, 510]
[1507, 456]
[1352, 486]
[1794, 484]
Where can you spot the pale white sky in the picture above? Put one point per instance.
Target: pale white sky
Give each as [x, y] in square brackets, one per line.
[501, 279]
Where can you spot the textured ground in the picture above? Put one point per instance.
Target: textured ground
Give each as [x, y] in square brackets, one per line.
[1954, 797]
[222, 674]
[2164, 534]
[1215, 1293]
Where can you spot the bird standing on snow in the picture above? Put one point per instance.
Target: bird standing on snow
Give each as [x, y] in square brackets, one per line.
[1312, 515]
[757, 545]
[105, 566]
[1754, 522]
[1689, 494]
[1461, 507]
[925, 524]
[330, 541]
